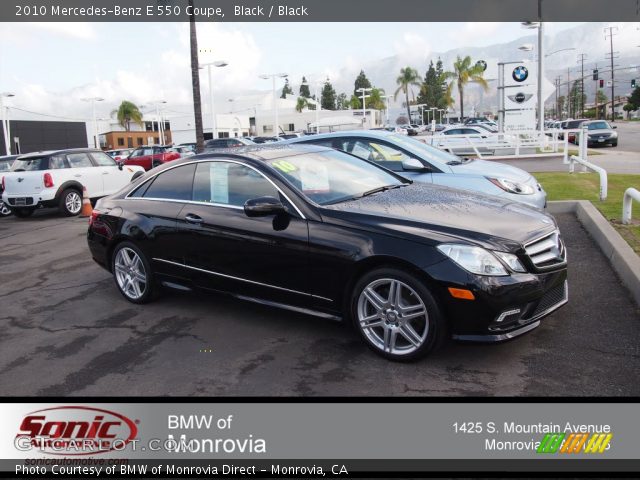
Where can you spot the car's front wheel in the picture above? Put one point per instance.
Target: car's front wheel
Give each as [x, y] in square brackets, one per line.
[132, 273]
[396, 315]
[70, 202]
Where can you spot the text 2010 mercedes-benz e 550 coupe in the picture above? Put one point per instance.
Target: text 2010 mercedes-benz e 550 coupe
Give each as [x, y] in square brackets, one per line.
[320, 231]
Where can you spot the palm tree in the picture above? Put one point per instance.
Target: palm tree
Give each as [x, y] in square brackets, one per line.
[301, 104]
[408, 77]
[126, 113]
[463, 73]
[195, 80]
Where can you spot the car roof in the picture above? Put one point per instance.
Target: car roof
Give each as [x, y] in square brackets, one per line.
[46, 153]
[263, 152]
[380, 134]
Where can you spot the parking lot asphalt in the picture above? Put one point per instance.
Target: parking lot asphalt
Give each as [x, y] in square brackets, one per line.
[66, 330]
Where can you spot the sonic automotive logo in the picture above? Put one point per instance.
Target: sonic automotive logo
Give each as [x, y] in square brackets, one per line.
[575, 443]
[520, 73]
[75, 430]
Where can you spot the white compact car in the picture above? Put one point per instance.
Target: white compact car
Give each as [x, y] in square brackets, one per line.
[56, 179]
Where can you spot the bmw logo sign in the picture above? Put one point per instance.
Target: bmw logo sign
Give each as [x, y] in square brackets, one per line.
[520, 73]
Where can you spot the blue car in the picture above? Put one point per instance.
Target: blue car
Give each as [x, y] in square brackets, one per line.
[426, 164]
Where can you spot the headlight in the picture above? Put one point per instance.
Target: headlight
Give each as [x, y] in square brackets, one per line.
[474, 259]
[614, 134]
[511, 260]
[511, 186]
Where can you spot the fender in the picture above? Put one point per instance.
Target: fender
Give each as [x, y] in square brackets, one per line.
[68, 184]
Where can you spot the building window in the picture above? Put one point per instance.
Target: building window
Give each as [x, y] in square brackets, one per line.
[148, 126]
[291, 127]
[140, 141]
[223, 134]
[267, 128]
[156, 140]
[167, 126]
[121, 142]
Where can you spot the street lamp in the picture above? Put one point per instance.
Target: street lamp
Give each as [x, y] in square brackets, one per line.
[217, 63]
[540, 27]
[157, 104]
[273, 77]
[387, 97]
[5, 121]
[318, 103]
[93, 101]
[364, 96]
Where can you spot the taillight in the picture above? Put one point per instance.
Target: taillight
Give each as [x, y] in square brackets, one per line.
[48, 180]
[94, 216]
[3, 183]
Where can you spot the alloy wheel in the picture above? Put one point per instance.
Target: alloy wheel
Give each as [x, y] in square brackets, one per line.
[4, 210]
[392, 316]
[130, 273]
[73, 202]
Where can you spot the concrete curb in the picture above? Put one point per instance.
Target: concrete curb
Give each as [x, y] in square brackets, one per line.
[623, 259]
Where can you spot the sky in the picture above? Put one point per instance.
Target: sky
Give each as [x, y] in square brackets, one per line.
[51, 66]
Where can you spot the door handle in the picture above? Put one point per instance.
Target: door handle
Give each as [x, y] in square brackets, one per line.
[78, 176]
[191, 218]
[105, 173]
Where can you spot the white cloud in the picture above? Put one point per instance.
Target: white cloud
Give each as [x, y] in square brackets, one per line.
[472, 31]
[33, 32]
[412, 48]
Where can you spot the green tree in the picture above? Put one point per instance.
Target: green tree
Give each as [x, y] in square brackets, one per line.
[629, 107]
[301, 104]
[304, 88]
[463, 73]
[433, 91]
[375, 100]
[342, 102]
[355, 102]
[195, 80]
[127, 113]
[408, 78]
[361, 82]
[634, 98]
[286, 90]
[328, 97]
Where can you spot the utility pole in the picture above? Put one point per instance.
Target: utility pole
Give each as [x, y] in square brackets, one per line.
[568, 101]
[555, 108]
[611, 32]
[581, 58]
[595, 77]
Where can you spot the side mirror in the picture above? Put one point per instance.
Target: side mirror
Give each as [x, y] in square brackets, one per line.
[414, 165]
[263, 207]
[120, 165]
[615, 126]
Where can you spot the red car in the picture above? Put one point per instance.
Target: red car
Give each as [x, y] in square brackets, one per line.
[151, 156]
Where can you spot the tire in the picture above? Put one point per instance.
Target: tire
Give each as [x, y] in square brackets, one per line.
[614, 144]
[22, 212]
[132, 273]
[403, 330]
[4, 210]
[70, 202]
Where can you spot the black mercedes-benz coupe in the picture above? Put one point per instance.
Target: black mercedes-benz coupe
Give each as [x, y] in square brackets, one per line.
[319, 231]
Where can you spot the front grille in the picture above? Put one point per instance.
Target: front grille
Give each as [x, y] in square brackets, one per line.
[596, 136]
[553, 297]
[20, 201]
[546, 252]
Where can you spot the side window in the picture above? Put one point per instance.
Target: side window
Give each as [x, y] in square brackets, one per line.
[322, 143]
[229, 183]
[79, 160]
[173, 184]
[382, 153]
[147, 151]
[57, 162]
[103, 160]
[137, 153]
[455, 131]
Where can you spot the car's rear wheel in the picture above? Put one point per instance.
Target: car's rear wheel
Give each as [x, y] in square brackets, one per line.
[23, 212]
[132, 273]
[4, 210]
[70, 202]
[396, 315]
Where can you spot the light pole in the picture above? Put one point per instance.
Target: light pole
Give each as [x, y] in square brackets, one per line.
[5, 121]
[157, 104]
[273, 77]
[421, 110]
[317, 83]
[387, 97]
[364, 96]
[441, 110]
[217, 63]
[541, 56]
[93, 101]
[434, 112]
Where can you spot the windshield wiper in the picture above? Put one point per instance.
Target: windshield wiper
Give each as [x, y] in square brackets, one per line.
[461, 161]
[380, 189]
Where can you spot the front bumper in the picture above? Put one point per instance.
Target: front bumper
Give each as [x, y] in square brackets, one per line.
[504, 307]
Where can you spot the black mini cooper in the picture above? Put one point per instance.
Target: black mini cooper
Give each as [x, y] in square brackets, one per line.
[319, 231]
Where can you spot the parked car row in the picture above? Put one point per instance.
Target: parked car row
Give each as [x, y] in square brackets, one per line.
[599, 132]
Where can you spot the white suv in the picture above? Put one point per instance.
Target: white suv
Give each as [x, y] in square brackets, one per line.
[56, 179]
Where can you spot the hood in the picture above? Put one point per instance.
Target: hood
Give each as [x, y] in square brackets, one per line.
[419, 210]
[492, 169]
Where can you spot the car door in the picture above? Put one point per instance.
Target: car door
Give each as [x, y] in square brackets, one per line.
[263, 257]
[113, 179]
[84, 171]
[141, 157]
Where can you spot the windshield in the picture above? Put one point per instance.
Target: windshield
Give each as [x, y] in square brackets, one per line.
[331, 176]
[599, 126]
[30, 164]
[426, 151]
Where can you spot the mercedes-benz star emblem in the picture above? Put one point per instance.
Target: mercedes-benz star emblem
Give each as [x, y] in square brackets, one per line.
[520, 73]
